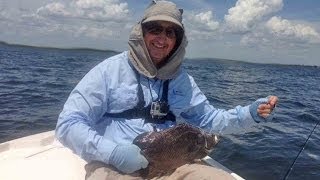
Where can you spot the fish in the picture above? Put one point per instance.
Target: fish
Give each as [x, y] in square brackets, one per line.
[173, 147]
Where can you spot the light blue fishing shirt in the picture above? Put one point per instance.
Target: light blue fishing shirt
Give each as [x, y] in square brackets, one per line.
[112, 86]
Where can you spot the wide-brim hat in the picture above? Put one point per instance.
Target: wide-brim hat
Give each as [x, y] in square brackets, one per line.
[163, 11]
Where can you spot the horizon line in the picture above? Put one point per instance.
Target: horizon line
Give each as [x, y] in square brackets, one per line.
[115, 51]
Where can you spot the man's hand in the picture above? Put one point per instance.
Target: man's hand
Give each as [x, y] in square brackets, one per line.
[127, 158]
[265, 109]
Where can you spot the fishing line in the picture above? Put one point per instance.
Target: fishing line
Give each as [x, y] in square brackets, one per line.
[304, 145]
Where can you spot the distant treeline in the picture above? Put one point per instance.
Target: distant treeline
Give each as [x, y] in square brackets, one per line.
[47, 47]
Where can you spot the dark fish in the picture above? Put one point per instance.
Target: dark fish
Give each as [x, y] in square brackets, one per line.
[169, 149]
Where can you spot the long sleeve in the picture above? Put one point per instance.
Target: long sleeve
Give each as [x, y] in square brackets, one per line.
[190, 104]
[83, 108]
[83, 126]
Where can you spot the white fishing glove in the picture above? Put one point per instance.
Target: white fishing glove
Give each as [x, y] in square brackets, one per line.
[127, 158]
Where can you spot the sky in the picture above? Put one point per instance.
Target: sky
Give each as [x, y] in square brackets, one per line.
[260, 31]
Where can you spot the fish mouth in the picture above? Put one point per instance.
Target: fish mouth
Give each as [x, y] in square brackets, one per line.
[213, 141]
[208, 151]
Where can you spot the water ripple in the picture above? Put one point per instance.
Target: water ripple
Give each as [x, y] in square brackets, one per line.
[35, 82]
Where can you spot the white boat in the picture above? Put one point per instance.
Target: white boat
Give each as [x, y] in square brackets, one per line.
[41, 156]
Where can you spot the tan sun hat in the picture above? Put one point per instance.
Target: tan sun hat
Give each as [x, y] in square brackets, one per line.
[163, 11]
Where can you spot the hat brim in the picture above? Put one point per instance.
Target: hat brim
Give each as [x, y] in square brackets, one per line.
[162, 18]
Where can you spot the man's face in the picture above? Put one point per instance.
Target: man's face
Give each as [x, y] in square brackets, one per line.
[160, 39]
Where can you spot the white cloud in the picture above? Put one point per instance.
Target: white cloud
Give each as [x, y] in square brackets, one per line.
[3, 15]
[247, 13]
[285, 29]
[94, 10]
[64, 24]
[93, 32]
[201, 25]
[203, 21]
[54, 9]
[254, 39]
[276, 38]
[97, 19]
[86, 4]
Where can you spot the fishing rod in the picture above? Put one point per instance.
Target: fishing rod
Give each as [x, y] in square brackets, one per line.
[304, 145]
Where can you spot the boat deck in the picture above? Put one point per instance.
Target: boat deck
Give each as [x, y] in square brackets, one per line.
[41, 156]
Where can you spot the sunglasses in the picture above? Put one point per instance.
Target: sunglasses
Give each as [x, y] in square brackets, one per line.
[156, 29]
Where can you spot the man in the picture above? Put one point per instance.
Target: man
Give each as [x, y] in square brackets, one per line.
[117, 99]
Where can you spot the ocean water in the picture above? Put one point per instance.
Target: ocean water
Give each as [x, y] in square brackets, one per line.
[35, 83]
